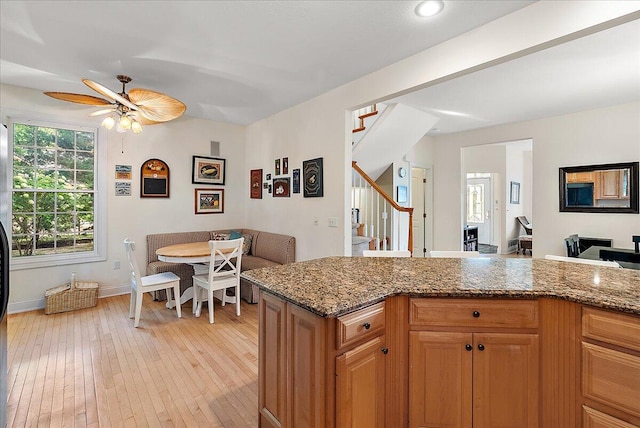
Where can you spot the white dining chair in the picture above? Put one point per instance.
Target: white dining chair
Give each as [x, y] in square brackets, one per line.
[582, 261]
[454, 254]
[386, 253]
[145, 284]
[224, 273]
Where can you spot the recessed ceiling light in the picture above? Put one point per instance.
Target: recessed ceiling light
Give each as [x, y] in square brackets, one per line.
[429, 8]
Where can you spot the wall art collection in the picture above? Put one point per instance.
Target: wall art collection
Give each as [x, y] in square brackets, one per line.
[309, 178]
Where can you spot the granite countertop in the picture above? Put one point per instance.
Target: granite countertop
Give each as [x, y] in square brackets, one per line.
[333, 286]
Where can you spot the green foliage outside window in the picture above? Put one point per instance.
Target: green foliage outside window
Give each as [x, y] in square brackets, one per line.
[53, 190]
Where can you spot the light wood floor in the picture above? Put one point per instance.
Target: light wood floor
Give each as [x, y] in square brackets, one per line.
[92, 368]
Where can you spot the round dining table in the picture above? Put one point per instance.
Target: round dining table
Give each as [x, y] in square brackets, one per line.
[196, 254]
[191, 252]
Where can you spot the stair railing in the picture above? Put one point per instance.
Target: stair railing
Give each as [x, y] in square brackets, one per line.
[375, 208]
[360, 115]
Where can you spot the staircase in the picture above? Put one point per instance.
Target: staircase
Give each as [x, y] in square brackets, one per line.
[382, 135]
[388, 135]
[377, 219]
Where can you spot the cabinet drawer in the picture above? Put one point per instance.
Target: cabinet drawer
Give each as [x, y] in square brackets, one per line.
[594, 419]
[613, 328]
[474, 313]
[360, 325]
[611, 377]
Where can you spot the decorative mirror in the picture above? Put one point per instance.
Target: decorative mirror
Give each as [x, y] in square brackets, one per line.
[609, 188]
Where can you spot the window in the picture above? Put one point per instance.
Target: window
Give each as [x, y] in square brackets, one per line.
[55, 194]
[475, 203]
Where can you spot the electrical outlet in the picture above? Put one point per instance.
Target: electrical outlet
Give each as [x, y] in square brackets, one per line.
[333, 222]
[116, 265]
[316, 221]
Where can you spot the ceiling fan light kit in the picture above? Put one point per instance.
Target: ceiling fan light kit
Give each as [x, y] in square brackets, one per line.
[127, 111]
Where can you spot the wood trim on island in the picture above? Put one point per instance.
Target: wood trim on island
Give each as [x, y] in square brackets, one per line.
[541, 341]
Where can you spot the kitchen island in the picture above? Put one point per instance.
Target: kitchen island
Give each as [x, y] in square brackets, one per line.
[447, 342]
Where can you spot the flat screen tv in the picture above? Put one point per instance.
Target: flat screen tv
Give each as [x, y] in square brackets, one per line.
[580, 195]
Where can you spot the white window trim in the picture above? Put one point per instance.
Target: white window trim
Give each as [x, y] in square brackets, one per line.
[99, 252]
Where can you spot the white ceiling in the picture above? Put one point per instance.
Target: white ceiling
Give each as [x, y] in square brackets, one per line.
[241, 61]
[232, 61]
[595, 71]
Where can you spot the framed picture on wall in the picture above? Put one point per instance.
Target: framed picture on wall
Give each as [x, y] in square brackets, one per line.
[206, 170]
[296, 181]
[312, 178]
[154, 179]
[402, 194]
[515, 192]
[209, 201]
[256, 184]
[123, 172]
[281, 187]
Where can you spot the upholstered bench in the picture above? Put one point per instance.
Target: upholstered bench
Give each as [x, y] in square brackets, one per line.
[525, 242]
[266, 249]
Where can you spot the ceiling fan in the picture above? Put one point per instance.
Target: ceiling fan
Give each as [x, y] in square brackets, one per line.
[134, 109]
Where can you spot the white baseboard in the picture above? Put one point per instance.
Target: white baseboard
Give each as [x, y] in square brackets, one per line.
[25, 306]
[38, 304]
[115, 290]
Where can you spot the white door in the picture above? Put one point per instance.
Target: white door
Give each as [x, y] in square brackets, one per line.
[480, 208]
[418, 202]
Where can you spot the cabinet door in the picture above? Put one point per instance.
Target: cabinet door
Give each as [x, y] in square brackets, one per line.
[307, 360]
[505, 380]
[608, 184]
[360, 386]
[580, 177]
[440, 376]
[272, 362]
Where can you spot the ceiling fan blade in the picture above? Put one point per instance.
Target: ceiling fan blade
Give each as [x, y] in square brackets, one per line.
[156, 106]
[141, 119]
[103, 90]
[105, 111]
[78, 98]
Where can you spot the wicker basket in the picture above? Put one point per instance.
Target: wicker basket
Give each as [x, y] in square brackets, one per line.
[71, 296]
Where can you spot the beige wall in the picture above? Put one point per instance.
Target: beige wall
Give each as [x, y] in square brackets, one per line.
[131, 216]
[320, 127]
[575, 139]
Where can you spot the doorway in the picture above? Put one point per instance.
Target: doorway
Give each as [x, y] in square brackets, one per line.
[421, 203]
[479, 207]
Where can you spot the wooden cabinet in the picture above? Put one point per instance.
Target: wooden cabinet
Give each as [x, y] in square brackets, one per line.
[272, 364]
[449, 362]
[595, 419]
[360, 368]
[610, 351]
[473, 363]
[581, 177]
[320, 372]
[291, 367]
[609, 184]
[306, 377]
[360, 386]
[440, 379]
[505, 380]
